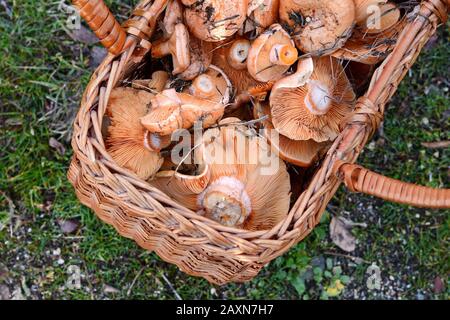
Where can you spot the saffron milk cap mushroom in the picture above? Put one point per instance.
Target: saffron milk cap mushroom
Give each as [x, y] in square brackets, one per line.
[301, 153]
[201, 57]
[387, 17]
[271, 54]
[214, 20]
[319, 26]
[128, 142]
[240, 78]
[314, 110]
[366, 8]
[172, 110]
[240, 193]
[212, 85]
[177, 46]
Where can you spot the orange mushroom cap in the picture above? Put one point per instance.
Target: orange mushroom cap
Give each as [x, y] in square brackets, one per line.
[201, 58]
[314, 110]
[271, 54]
[301, 153]
[215, 20]
[172, 111]
[319, 26]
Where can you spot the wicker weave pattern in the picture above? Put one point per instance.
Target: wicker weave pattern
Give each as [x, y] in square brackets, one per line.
[200, 246]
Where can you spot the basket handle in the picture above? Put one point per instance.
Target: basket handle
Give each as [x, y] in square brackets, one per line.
[97, 15]
[360, 179]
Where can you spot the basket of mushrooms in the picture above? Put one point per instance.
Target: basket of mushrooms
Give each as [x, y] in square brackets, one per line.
[216, 132]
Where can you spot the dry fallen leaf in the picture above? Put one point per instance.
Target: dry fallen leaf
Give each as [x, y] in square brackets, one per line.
[340, 233]
[436, 145]
[58, 146]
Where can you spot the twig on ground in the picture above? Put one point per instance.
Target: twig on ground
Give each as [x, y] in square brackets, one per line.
[177, 296]
[134, 281]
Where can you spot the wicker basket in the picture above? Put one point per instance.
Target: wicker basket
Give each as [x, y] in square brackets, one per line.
[199, 246]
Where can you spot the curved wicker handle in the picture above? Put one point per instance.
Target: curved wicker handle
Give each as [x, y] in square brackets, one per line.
[360, 179]
[112, 36]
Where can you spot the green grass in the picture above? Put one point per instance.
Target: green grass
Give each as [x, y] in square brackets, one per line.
[43, 73]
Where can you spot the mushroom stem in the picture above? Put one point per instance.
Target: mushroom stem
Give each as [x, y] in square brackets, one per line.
[203, 86]
[226, 201]
[156, 142]
[160, 50]
[177, 46]
[283, 55]
[238, 54]
[318, 99]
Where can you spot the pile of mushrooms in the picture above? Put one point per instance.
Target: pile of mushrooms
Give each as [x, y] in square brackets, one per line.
[282, 74]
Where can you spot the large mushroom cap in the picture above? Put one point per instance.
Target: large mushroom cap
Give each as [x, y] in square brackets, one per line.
[128, 143]
[301, 153]
[318, 25]
[271, 54]
[215, 20]
[314, 110]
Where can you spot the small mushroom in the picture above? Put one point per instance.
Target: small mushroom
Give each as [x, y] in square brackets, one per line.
[388, 16]
[172, 17]
[237, 192]
[319, 26]
[315, 109]
[214, 20]
[201, 57]
[128, 142]
[302, 153]
[271, 54]
[212, 85]
[171, 111]
[238, 54]
[240, 79]
[177, 46]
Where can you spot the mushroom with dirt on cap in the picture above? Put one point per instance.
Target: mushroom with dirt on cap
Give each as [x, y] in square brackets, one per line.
[318, 26]
[214, 20]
